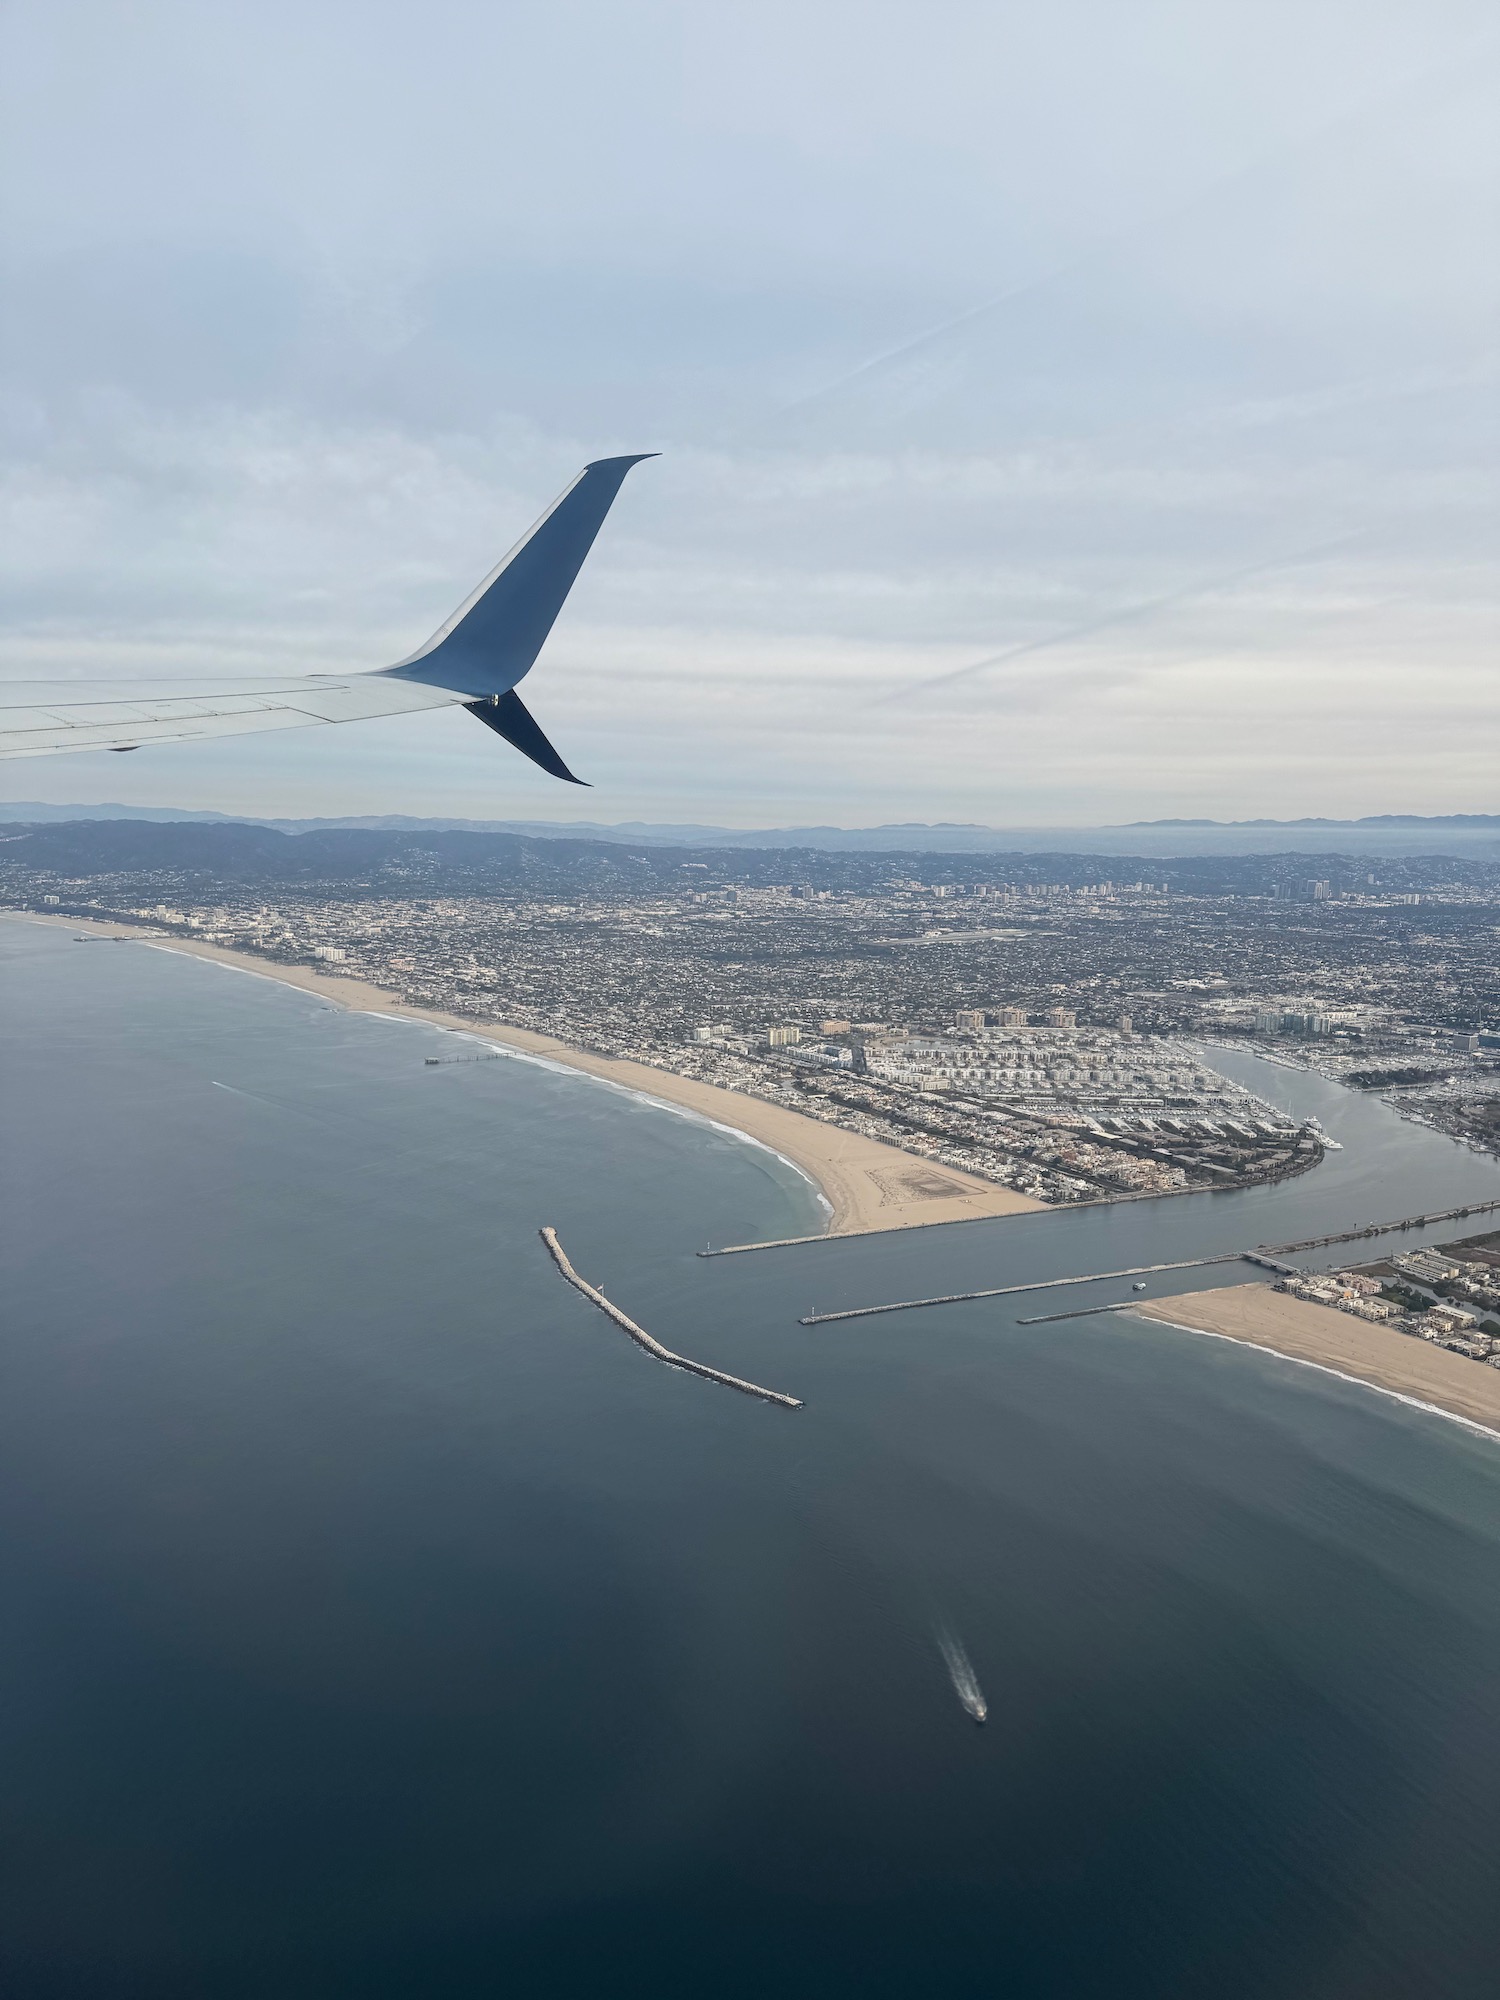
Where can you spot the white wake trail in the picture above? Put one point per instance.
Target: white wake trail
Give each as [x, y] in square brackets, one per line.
[961, 1673]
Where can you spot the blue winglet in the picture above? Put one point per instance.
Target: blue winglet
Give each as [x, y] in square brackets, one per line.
[494, 636]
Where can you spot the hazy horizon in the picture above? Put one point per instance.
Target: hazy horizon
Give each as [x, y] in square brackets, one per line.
[1322, 842]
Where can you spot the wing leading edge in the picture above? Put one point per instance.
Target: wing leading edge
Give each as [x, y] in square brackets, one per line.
[473, 661]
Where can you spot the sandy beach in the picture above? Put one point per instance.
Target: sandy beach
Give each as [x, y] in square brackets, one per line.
[1397, 1363]
[867, 1185]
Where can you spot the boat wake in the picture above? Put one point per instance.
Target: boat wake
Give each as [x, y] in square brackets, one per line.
[961, 1673]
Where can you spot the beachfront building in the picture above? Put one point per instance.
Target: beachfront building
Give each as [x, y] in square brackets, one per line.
[1345, 1291]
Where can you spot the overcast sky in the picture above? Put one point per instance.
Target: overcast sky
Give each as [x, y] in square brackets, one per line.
[1070, 412]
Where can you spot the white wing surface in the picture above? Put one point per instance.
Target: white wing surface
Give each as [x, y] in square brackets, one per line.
[37, 718]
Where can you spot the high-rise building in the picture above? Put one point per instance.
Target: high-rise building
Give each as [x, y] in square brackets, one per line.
[1060, 1017]
[1303, 1023]
[782, 1037]
[1009, 1017]
[969, 1017]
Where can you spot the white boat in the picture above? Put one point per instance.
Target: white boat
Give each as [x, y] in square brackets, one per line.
[961, 1673]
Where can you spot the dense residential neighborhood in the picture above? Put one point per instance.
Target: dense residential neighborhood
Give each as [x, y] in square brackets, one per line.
[1028, 1018]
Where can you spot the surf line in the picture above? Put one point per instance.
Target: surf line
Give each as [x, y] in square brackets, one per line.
[654, 1347]
[1339, 1374]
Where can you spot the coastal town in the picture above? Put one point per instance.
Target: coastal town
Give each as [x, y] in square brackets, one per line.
[1053, 1037]
[1028, 1033]
[1448, 1294]
[1421, 1324]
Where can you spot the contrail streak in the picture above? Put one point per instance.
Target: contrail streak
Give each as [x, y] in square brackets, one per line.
[906, 348]
[1111, 618]
[1117, 239]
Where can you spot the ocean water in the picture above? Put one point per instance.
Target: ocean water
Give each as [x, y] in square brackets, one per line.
[379, 1621]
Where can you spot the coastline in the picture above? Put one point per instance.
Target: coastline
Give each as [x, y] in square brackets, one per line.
[866, 1185]
[1356, 1350]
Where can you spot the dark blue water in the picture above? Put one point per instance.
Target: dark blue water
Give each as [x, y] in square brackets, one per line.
[379, 1621]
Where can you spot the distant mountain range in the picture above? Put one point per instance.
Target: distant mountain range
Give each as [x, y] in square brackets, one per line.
[1371, 819]
[1470, 834]
[142, 860]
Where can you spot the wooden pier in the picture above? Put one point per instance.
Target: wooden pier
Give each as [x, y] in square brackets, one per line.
[654, 1347]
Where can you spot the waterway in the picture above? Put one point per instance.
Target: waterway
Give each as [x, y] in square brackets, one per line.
[380, 1621]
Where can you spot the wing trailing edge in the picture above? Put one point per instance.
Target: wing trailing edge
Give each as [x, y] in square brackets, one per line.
[41, 719]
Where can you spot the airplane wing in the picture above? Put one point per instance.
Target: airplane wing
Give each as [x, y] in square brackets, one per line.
[472, 661]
